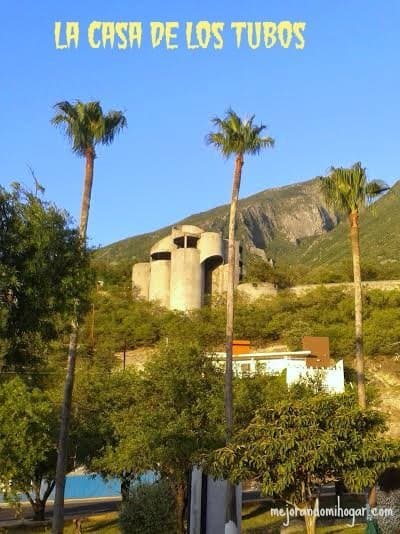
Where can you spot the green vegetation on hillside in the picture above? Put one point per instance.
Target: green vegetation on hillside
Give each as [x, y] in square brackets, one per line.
[121, 322]
[327, 258]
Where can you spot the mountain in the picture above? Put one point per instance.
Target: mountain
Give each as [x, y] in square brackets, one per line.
[379, 242]
[294, 226]
[284, 214]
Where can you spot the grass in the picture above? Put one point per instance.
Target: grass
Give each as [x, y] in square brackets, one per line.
[100, 524]
[257, 519]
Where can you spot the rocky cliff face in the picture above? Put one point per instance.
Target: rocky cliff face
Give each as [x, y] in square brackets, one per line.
[288, 213]
[293, 213]
[294, 218]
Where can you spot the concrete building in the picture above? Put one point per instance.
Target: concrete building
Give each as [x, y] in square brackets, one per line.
[312, 363]
[184, 268]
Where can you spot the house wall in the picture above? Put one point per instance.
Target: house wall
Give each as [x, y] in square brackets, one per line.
[295, 366]
[332, 377]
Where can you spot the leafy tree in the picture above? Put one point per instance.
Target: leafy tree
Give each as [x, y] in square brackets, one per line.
[100, 395]
[28, 437]
[113, 277]
[174, 415]
[123, 322]
[348, 190]
[43, 270]
[294, 446]
[253, 391]
[86, 126]
[237, 137]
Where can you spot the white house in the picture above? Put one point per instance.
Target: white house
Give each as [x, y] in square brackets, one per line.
[312, 364]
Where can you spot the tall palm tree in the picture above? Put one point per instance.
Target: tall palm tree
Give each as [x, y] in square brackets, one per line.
[236, 137]
[348, 191]
[86, 126]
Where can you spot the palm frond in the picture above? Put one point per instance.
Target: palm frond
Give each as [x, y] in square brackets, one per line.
[375, 188]
[348, 189]
[237, 136]
[86, 126]
[114, 123]
[66, 108]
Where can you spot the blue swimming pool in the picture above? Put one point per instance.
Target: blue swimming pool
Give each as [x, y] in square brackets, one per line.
[93, 486]
[89, 486]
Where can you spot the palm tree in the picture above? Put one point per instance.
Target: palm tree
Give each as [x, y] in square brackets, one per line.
[86, 126]
[348, 191]
[237, 137]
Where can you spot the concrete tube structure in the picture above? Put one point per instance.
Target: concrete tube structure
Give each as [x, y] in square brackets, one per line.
[164, 245]
[211, 244]
[160, 273]
[186, 278]
[141, 279]
[184, 267]
[211, 257]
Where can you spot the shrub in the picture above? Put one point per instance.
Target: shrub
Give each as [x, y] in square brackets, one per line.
[149, 510]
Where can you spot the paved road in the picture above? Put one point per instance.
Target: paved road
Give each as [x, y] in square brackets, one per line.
[75, 508]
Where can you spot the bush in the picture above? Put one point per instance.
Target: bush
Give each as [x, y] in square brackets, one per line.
[258, 270]
[149, 510]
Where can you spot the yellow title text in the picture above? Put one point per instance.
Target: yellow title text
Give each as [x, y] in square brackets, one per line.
[172, 35]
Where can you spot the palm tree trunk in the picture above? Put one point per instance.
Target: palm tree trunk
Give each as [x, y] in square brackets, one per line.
[58, 510]
[87, 192]
[355, 246]
[230, 506]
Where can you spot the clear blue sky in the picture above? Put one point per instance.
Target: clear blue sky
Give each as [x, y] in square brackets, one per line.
[333, 103]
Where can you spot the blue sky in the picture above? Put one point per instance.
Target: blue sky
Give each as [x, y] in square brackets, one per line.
[332, 103]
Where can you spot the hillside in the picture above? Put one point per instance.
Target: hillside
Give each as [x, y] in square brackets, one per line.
[379, 241]
[287, 214]
[293, 226]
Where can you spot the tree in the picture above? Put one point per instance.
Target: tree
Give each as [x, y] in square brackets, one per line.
[43, 270]
[237, 137]
[86, 126]
[100, 396]
[28, 436]
[349, 191]
[175, 415]
[295, 446]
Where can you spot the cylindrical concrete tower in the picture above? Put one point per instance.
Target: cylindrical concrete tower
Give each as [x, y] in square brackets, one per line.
[186, 279]
[186, 265]
[141, 278]
[160, 269]
[210, 244]
[211, 257]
